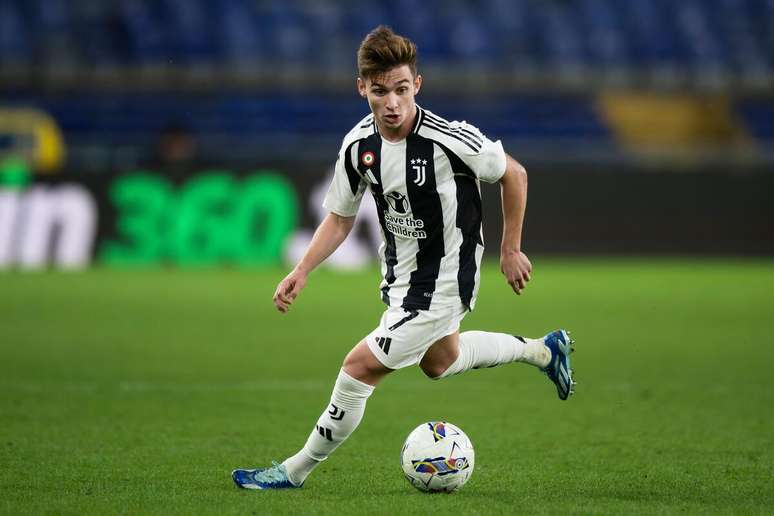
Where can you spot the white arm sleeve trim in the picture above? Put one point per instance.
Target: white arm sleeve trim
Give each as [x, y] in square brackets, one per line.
[489, 163]
[339, 199]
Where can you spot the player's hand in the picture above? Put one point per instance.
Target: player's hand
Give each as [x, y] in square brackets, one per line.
[288, 289]
[516, 268]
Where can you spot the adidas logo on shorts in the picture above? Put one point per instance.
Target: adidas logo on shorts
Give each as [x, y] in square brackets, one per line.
[384, 344]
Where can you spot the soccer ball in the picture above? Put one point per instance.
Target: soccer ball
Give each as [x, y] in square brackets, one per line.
[437, 456]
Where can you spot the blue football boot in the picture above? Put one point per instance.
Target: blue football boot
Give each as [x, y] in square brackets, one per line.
[558, 369]
[274, 477]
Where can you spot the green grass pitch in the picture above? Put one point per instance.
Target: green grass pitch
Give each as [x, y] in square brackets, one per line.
[136, 392]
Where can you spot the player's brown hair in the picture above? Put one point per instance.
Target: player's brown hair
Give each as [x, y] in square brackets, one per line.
[382, 50]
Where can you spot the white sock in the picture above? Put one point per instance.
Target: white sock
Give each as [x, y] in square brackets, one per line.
[485, 349]
[336, 423]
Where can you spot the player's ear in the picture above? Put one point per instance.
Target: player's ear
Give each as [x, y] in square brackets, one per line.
[361, 87]
[417, 83]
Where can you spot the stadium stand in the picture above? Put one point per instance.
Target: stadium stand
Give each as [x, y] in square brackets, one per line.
[276, 125]
[241, 71]
[725, 39]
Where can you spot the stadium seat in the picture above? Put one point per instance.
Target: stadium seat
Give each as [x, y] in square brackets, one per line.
[145, 40]
[15, 46]
[189, 33]
[238, 34]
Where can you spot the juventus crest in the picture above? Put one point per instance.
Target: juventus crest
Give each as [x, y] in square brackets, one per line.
[419, 167]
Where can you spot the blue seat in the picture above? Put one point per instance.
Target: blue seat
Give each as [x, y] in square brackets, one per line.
[606, 40]
[99, 36]
[560, 35]
[188, 29]
[238, 33]
[514, 31]
[469, 40]
[15, 47]
[52, 25]
[289, 34]
[145, 40]
[758, 116]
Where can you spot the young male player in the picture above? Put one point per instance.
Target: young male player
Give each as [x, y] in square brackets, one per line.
[424, 174]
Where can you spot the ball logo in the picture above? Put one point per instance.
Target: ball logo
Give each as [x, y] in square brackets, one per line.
[368, 158]
[439, 430]
[442, 465]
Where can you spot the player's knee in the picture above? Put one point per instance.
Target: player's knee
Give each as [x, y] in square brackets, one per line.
[354, 366]
[361, 365]
[434, 371]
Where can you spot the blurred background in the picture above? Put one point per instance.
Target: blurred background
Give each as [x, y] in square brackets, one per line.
[202, 132]
[143, 138]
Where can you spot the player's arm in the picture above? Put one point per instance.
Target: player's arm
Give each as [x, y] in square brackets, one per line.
[514, 264]
[327, 238]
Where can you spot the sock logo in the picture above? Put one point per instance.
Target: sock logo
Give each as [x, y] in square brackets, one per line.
[336, 413]
[325, 432]
[384, 344]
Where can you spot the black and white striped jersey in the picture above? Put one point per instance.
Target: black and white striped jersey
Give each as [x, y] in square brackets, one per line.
[428, 199]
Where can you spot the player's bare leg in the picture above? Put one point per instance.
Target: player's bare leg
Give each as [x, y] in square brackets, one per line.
[441, 355]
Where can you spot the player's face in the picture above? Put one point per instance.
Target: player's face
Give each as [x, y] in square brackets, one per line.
[391, 98]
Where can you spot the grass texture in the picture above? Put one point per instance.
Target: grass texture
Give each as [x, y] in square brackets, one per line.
[137, 392]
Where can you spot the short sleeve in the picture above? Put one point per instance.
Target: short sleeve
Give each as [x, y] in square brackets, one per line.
[489, 162]
[346, 189]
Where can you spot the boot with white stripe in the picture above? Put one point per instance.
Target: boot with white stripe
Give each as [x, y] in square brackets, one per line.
[558, 369]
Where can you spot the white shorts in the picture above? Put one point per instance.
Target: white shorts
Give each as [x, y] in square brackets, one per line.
[404, 336]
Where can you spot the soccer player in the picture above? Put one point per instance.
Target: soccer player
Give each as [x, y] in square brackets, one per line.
[423, 172]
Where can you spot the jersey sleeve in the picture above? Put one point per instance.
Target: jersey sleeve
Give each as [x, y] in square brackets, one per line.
[488, 161]
[347, 187]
